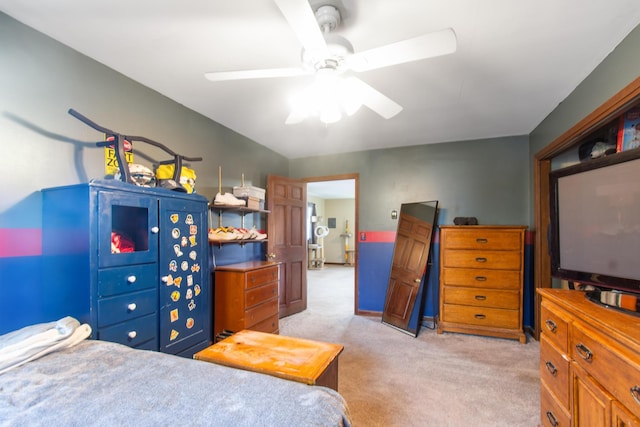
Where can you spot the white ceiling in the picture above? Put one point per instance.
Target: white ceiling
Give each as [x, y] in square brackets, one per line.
[515, 61]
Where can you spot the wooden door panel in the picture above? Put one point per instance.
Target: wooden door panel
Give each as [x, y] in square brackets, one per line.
[398, 305]
[416, 257]
[409, 262]
[286, 199]
[297, 235]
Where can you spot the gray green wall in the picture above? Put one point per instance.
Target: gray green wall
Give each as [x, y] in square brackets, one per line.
[40, 79]
[620, 68]
[487, 179]
[43, 146]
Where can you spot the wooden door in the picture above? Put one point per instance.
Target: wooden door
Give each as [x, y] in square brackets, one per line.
[410, 255]
[287, 201]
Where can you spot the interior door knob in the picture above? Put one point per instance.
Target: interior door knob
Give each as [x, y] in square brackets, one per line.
[271, 255]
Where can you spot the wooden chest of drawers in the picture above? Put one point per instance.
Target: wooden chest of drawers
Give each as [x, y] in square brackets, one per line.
[246, 297]
[589, 363]
[481, 280]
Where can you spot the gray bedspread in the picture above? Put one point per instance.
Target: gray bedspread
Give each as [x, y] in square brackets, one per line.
[99, 383]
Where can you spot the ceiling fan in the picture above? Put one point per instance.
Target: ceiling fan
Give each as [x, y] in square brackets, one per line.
[328, 55]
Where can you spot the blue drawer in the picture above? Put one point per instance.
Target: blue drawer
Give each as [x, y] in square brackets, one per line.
[148, 345]
[125, 307]
[132, 333]
[119, 280]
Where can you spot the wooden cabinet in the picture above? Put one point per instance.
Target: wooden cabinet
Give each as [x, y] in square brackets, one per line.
[246, 297]
[589, 362]
[151, 293]
[481, 280]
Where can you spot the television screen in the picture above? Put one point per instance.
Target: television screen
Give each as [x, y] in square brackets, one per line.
[595, 222]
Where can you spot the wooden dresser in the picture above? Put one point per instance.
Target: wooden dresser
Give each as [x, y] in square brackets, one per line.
[589, 362]
[481, 280]
[246, 297]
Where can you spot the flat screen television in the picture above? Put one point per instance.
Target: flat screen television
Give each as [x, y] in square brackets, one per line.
[595, 223]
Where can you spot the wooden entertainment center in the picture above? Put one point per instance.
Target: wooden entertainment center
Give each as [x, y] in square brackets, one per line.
[589, 354]
[589, 362]
[616, 105]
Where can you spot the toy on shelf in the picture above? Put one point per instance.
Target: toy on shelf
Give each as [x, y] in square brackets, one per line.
[118, 141]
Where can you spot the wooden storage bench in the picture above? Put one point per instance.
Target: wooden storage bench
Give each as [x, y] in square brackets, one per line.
[296, 359]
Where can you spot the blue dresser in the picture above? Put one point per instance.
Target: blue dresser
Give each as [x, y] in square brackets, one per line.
[132, 262]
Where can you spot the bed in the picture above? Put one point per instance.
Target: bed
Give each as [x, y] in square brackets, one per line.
[79, 381]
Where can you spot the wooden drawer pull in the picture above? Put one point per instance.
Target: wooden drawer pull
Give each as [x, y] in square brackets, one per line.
[584, 352]
[551, 368]
[480, 316]
[481, 259]
[635, 393]
[551, 325]
[481, 297]
[552, 419]
[482, 240]
[481, 278]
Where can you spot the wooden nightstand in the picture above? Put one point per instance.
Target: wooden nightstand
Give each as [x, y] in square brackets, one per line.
[296, 359]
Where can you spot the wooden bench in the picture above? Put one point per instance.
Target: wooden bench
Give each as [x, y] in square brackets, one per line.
[296, 359]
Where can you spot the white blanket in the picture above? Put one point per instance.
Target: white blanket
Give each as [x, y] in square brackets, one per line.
[29, 343]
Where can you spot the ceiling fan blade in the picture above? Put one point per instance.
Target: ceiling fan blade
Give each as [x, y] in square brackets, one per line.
[426, 46]
[300, 17]
[218, 76]
[373, 99]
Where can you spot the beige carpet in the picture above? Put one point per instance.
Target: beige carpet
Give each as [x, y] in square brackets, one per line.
[392, 379]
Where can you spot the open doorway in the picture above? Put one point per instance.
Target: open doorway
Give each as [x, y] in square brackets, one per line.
[333, 225]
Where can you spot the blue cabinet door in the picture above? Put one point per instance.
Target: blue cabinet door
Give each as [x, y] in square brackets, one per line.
[130, 219]
[185, 315]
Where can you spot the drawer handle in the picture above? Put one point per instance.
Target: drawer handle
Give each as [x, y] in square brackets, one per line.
[551, 368]
[481, 259]
[131, 279]
[132, 335]
[480, 316]
[552, 419]
[482, 240]
[584, 352]
[481, 297]
[481, 278]
[551, 325]
[635, 393]
[132, 306]
[252, 279]
[155, 230]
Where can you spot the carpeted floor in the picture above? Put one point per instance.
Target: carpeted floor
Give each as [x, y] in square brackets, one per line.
[392, 379]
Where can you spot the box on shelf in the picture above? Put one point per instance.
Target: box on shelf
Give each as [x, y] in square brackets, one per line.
[254, 203]
[249, 191]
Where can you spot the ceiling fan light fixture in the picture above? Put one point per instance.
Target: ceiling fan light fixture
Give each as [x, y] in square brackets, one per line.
[327, 98]
[330, 113]
[350, 97]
